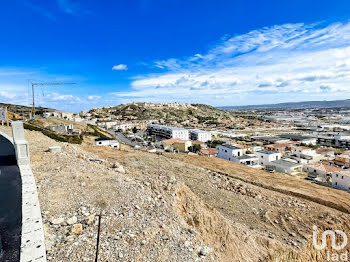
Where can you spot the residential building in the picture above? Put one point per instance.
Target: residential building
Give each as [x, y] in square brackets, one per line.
[343, 160]
[176, 144]
[61, 128]
[304, 155]
[280, 147]
[107, 125]
[266, 140]
[266, 156]
[341, 179]
[105, 141]
[54, 114]
[307, 140]
[245, 148]
[168, 132]
[210, 152]
[248, 160]
[200, 135]
[327, 153]
[320, 170]
[67, 116]
[286, 166]
[122, 127]
[229, 152]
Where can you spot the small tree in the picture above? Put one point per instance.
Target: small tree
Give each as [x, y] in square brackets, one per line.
[195, 148]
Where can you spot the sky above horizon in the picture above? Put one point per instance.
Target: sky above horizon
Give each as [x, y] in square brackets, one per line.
[222, 53]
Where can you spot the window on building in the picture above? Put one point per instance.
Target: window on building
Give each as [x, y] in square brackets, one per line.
[336, 175]
[336, 183]
[342, 177]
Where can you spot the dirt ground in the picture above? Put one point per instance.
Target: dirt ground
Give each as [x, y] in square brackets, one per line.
[175, 207]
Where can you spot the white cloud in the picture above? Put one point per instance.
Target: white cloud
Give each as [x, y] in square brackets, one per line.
[279, 63]
[94, 97]
[120, 67]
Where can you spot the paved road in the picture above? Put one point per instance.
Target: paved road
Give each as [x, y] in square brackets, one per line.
[10, 209]
[123, 139]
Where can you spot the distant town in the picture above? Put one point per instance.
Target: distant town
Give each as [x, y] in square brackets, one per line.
[312, 143]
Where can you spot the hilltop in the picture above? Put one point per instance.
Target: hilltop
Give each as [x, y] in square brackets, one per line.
[168, 113]
[18, 111]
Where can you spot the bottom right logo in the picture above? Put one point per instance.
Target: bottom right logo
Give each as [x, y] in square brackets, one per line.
[332, 234]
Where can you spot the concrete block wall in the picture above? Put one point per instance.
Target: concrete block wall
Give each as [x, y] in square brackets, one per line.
[32, 241]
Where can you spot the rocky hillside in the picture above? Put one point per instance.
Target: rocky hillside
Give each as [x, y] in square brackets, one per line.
[148, 207]
[18, 111]
[168, 113]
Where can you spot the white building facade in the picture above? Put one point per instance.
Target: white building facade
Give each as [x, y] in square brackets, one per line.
[341, 180]
[168, 131]
[267, 156]
[200, 135]
[107, 142]
[229, 152]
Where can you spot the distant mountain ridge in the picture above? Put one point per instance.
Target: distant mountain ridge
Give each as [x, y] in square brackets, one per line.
[292, 105]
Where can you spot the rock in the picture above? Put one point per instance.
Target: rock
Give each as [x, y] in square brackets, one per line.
[72, 220]
[204, 251]
[143, 242]
[77, 229]
[137, 207]
[187, 243]
[119, 168]
[55, 149]
[293, 234]
[57, 221]
[70, 238]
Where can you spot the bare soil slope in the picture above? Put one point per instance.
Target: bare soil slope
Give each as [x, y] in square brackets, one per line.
[174, 208]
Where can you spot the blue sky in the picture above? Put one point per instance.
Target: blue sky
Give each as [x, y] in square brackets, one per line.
[194, 51]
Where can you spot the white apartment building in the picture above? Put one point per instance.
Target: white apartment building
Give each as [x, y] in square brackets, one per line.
[107, 125]
[105, 141]
[200, 135]
[168, 131]
[341, 180]
[229, 152]
[267, 156]
[304, 155]
[123, 127]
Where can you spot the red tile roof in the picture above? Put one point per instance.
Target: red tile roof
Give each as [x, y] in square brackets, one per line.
[209, 151]
[173, 141]
[324, 167]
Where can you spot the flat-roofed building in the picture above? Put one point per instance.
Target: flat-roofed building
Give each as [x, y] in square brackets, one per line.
[267, 156]
[168, 131]
[286, 166]
[341, 180]
[200, 135]
[229, 152]
[248, 160]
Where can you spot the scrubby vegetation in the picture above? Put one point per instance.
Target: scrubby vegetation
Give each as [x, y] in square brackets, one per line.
[73, 139]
